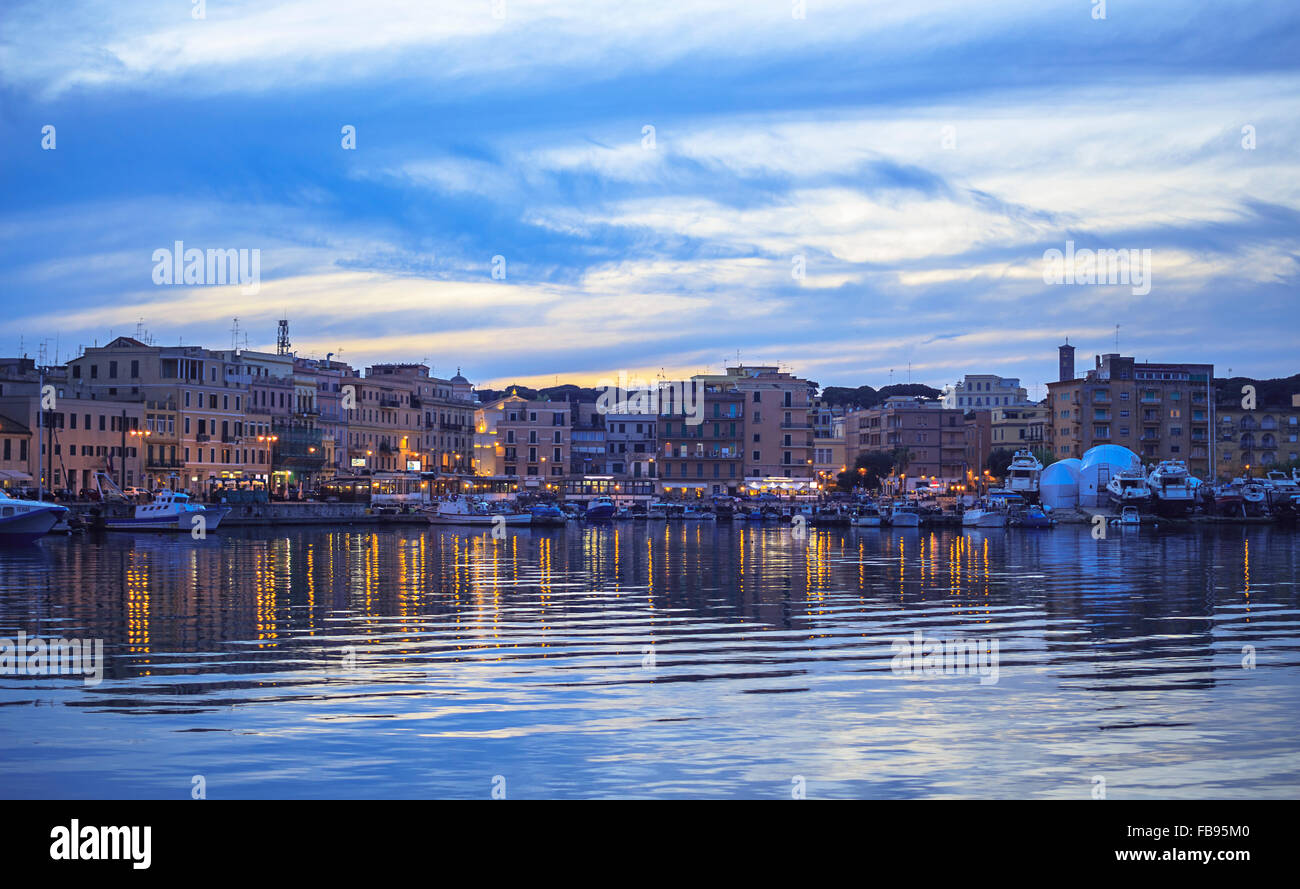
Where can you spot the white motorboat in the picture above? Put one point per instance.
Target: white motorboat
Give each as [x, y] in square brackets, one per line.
[26, 521]
[1129, 515]
[657, 510]
[471, 511]
[902, 515]
[1129, 487]
[699, 515]
[1173, 490]
[169, 511]
[1280, 485]
[1023, 473]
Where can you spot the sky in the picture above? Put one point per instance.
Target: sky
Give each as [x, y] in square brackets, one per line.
[540, 192]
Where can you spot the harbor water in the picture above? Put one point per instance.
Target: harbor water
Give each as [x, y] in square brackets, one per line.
[636, 659]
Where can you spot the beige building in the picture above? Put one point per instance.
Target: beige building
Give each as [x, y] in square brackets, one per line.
[524, 439]
[1254, 441]
[15, 452]
[777, 418]
[1158, 411]
[1014, 428]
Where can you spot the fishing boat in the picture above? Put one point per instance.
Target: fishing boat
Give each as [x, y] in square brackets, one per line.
[1023, 474]
[904, 515]
[867, 517]
[471, 511]
[600, 509]
[984, 514]
[169, 511]
[699, 515]
[26, 521]
[657, 510]
[1129, 487]
[1173, 490]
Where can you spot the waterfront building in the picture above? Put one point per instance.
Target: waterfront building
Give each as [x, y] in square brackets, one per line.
[928, 439]
[1160, 411]
[707, 457]
[630, 445]
[778, 433]
[529, 440]
[1254, 441]
[15, 450]
[829, 454]
[982, 392]
[587, 447]
[1024, 426]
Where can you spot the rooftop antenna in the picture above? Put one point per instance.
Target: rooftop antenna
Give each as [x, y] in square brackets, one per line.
[1117, 338]
[282, 338]
[234, 335]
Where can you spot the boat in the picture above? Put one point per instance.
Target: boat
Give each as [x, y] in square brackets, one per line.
[1129, 515]
[1023, 474]
[600, 509]
[830, 515]
[657, 510]
[471, 511]
[623, 514]
[169, 511]
[26, 521]
[547, 514]
[1173, 490]
[1129, 487]
[867, 517]
[1034, 516]
[699, 515]
[984, 514]
[904, 515]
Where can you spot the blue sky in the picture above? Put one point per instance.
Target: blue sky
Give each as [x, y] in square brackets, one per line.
[920, 157]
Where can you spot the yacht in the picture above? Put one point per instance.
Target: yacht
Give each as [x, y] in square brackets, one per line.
[1279, 485]
[1173, 490]
[169, 511]
[902, 515]
[1023, 473]
[470, 511]
[600, 508]
[26, 521]
[1129, 487]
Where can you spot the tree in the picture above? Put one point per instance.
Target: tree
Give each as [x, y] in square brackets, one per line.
[868, 469]
[999, 460]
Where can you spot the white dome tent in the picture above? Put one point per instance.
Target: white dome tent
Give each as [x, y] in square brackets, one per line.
[1058, 486]
[1099, 466]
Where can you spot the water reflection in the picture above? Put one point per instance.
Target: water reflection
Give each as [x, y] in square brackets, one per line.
[674, 659]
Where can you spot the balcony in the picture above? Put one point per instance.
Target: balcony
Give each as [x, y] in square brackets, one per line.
[163, 463]
[202, 437]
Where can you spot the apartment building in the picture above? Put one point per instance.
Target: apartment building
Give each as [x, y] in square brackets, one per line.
[588, 446]
[1159, 411]
[1014, 428]
[15, 451]
[630, 445]
[707, 457]
[778, 428]
[526, 439]
[1253, 441]
[930, 439]
[82, 435]
[982, 392]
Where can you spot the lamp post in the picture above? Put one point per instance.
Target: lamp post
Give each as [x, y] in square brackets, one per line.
[136, 434]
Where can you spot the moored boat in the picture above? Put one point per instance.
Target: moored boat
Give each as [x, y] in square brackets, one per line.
[600, 509]
[169, 511]
[1023, 474]
[26, 521]
[1173, 490]
[904, 515]
[470, 511]
[1129, 487]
